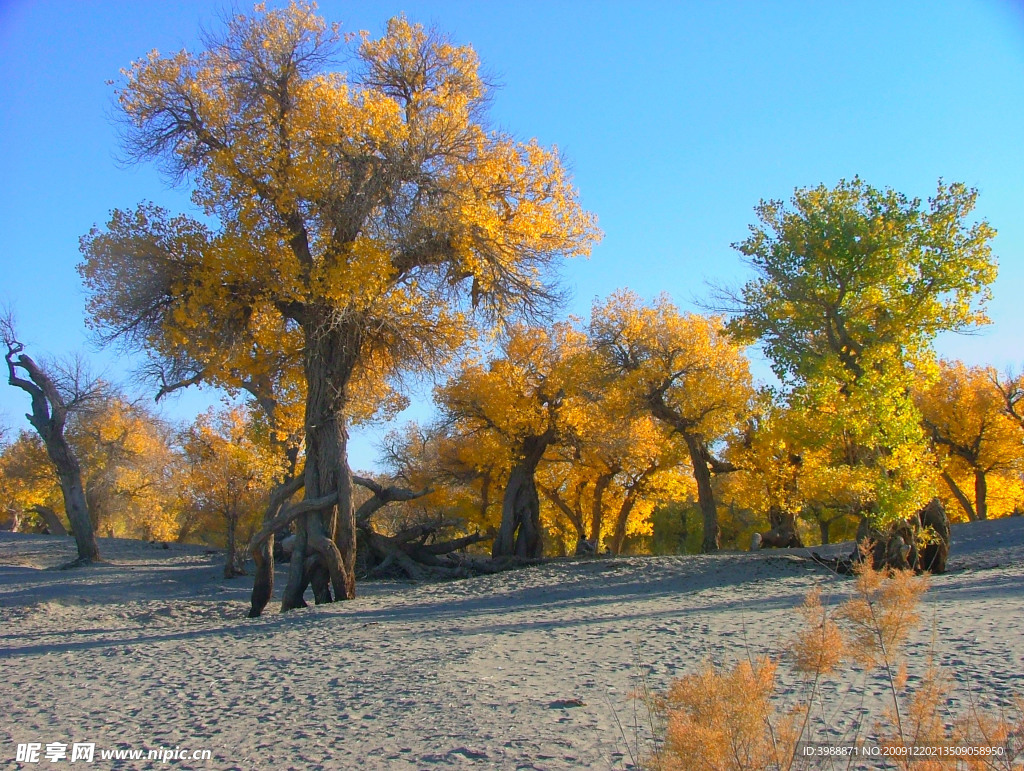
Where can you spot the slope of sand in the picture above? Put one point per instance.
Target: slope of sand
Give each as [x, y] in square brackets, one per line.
[530, 669]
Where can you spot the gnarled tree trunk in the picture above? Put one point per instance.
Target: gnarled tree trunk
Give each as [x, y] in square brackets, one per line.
[783, 532]
[329, 532]
[520, 534]
[48, 416]
[262, 546]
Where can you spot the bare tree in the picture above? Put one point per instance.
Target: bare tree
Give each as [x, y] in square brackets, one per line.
[56, 392]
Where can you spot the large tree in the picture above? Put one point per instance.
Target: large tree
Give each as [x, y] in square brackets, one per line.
[525, 401]
[852, 285]
[976, 440]
[352, 222]
[682, 369]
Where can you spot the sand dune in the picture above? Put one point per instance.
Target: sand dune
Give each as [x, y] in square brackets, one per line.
[530, 669]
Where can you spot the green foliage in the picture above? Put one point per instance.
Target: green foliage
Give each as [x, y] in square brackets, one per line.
[853, 284]
[862, 277]
[677, 529]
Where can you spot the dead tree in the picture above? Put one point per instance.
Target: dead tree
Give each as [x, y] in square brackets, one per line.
[50, 410]
[416, 551]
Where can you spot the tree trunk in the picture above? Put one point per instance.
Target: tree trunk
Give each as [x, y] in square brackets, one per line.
[48, 416]
[823, 528]
[936, 551]
[705, 493]
[619, 536]
[330, 533]
[783, 533]
[295, 587]
[981, 494]
[597, 511]
[263, 580]
[70, 475]
[263, 551]
[574, 516]
[520, 534]
[53, 524]
[961, 498]
[232, 568]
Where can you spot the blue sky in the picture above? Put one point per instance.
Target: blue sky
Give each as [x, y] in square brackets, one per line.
[676, 118]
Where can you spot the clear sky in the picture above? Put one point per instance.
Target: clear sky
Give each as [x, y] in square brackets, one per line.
[676, 118]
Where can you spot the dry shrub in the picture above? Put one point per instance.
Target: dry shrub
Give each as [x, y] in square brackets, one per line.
[727, 719]
[719, 719]
[819, 647]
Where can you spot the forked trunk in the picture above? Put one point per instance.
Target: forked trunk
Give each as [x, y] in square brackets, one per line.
[520, 533]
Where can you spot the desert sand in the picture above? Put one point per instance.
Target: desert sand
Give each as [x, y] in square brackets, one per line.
[529, 669]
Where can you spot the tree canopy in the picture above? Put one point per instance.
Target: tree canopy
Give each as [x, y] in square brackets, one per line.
[856, 277]
[683, 370]
[354, 222]
[852, 285]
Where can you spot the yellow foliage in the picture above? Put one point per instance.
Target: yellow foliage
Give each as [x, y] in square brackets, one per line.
[350, 212]
[979, 447]
[128, 471]
[27, 478]
[681, 369]
[230, 472]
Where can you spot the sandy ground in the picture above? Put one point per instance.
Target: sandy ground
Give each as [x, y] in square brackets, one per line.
[531, 669]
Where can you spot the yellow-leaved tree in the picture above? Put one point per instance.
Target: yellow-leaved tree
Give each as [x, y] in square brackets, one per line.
[979, 447]
[525, 400]
[615, 468]
[682, 369]
[231, 469]
[356, 221]
[785, 474]
[129, 469]
[29, 492]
